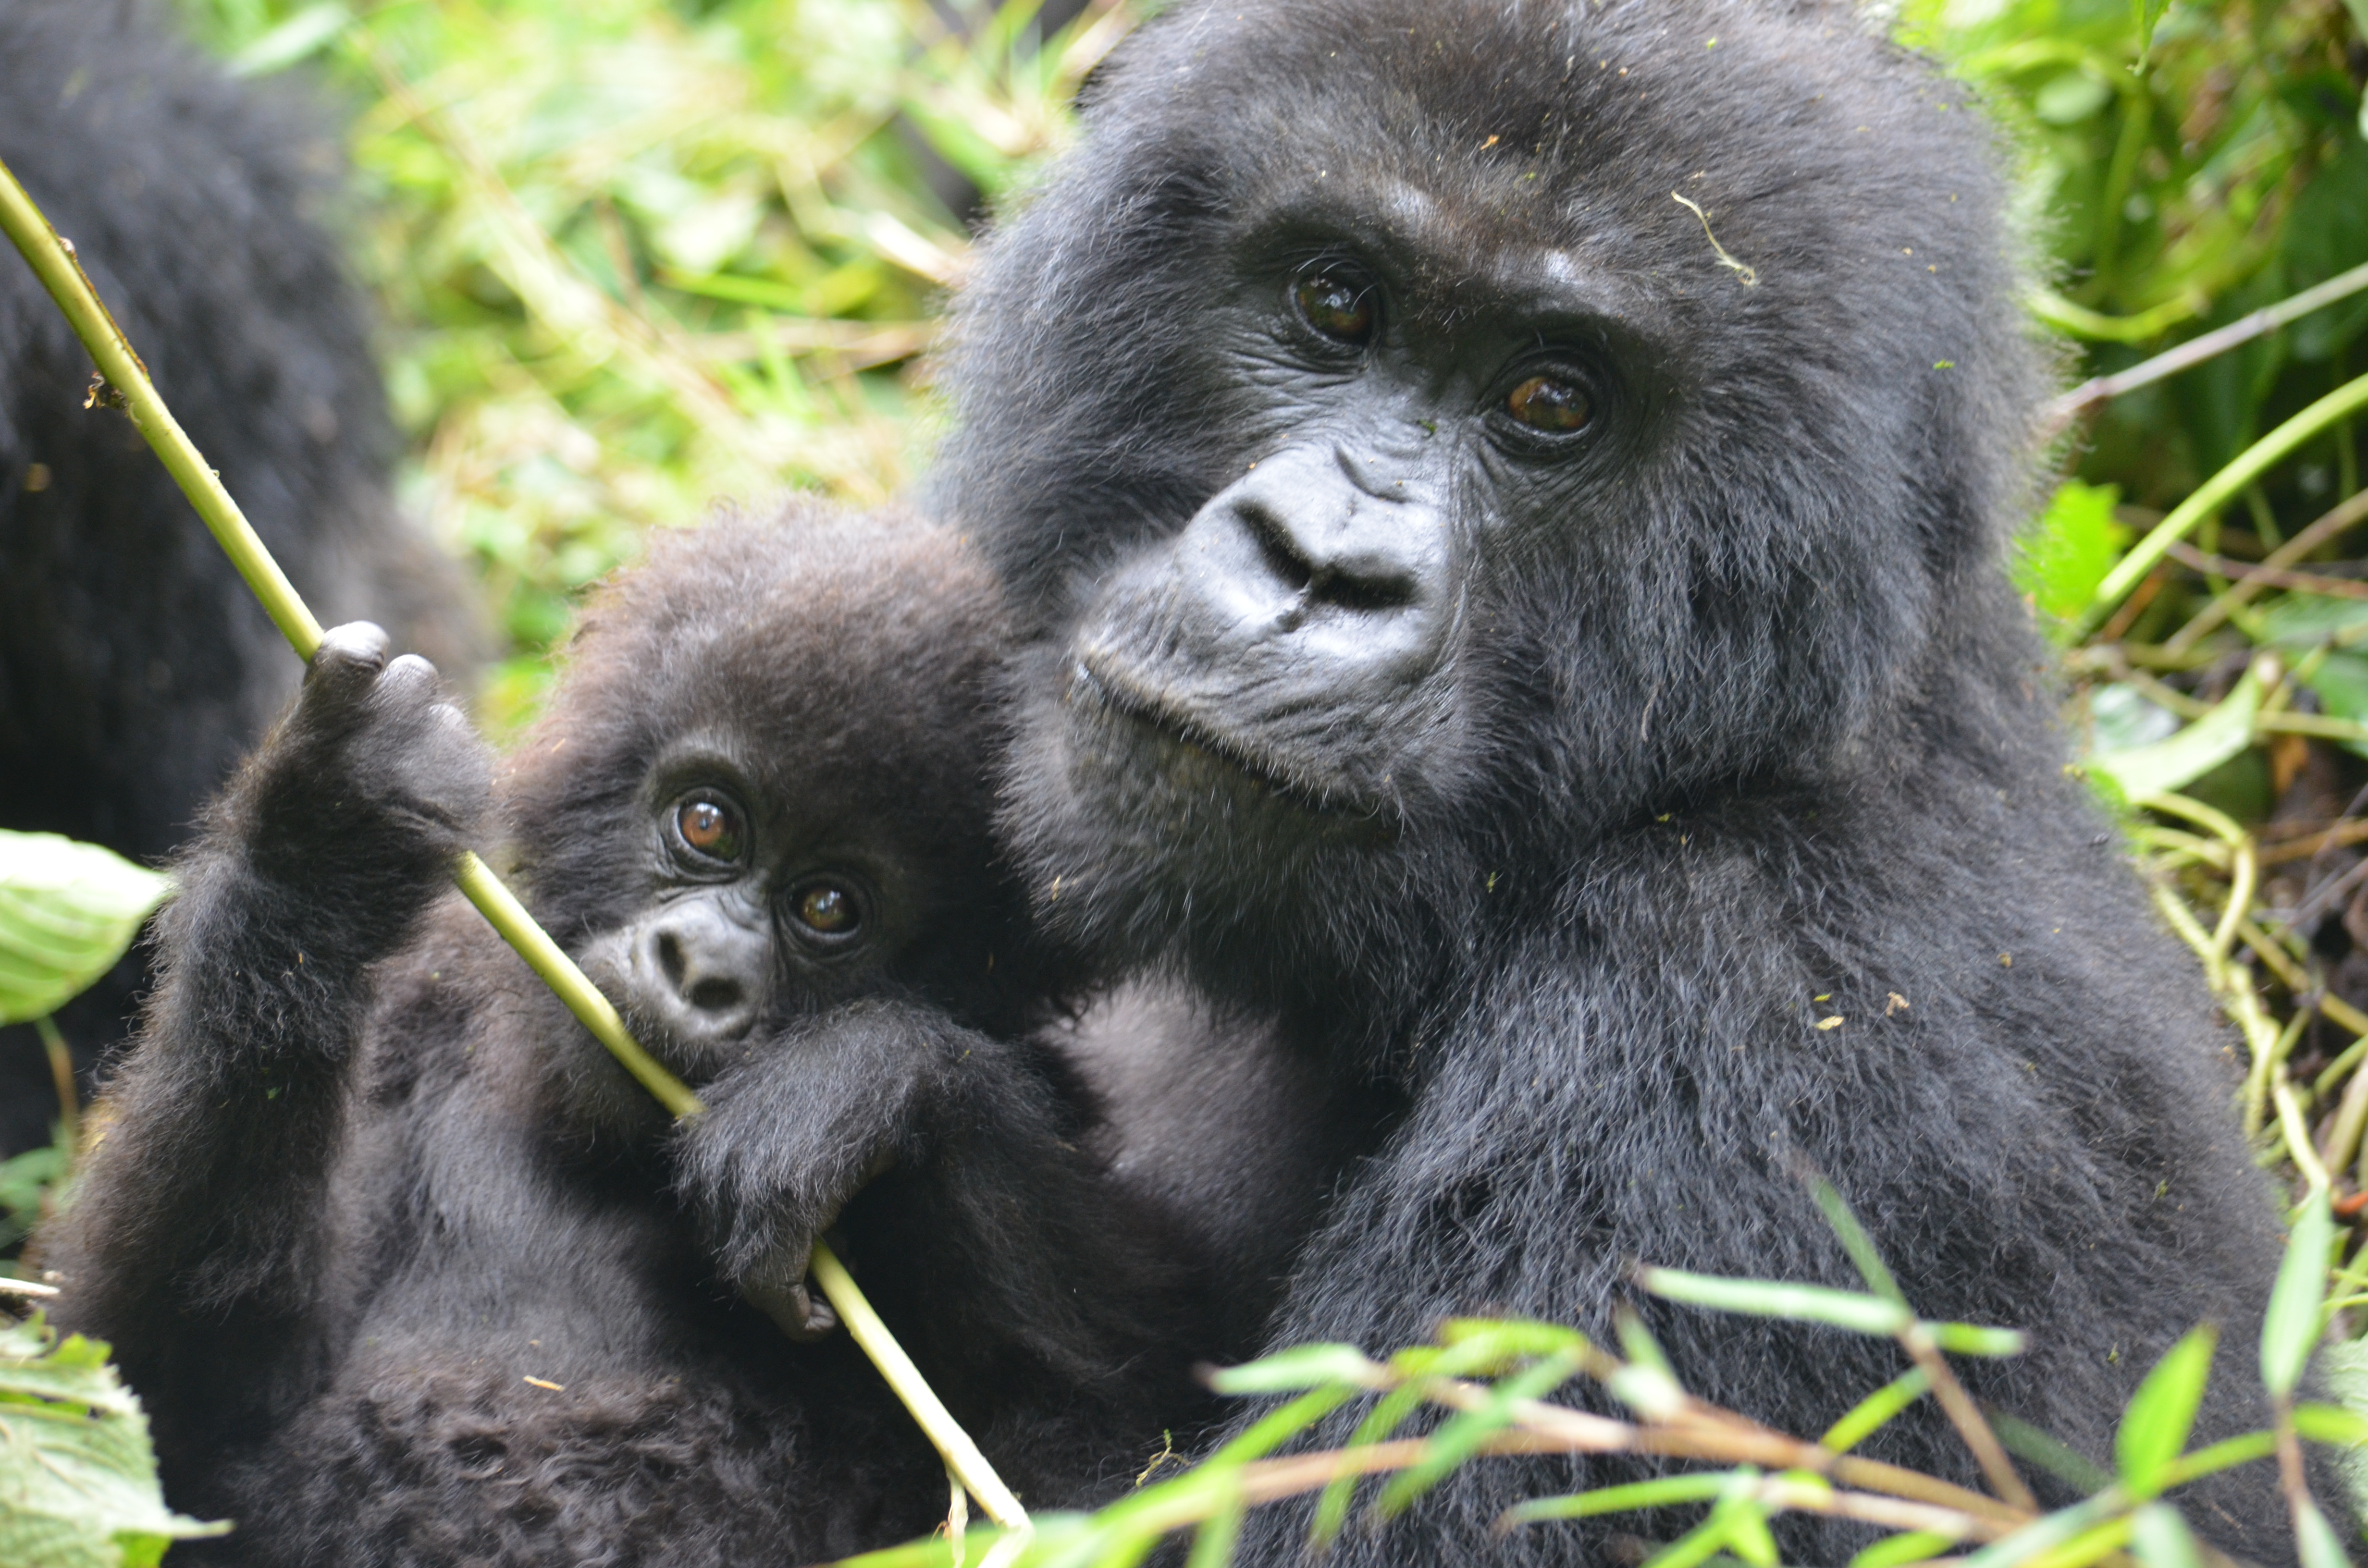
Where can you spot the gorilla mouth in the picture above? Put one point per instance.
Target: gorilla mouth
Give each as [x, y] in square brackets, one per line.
[1098, 680]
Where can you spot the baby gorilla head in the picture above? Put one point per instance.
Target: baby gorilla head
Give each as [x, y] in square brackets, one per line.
[758, 788]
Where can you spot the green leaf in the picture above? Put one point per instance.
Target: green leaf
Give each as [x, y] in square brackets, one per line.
[2145, 14]
[1771, 1299]
[2067, 552]
[1974, 1339]
[1663, 1493]
[67, 912]
[78, 1477]
[1868, 1415]
[292, 41]
[2315, 1539]
[1301, 1366]
[2162, 1413]
[1914, 1546]
[2050, 1453]
[1854, 1239]
[2331, 1425]
[2291, 1330]
[2160, 1539]
[2195, 751]
[2042, 1534]
[1462, 1435]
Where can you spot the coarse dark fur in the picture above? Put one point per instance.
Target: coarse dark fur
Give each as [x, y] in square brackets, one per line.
[1656, 803]
[135, 668]
[368, 1180]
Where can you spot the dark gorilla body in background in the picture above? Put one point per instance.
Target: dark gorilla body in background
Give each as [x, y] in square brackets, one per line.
[134, 665]
[1541, 671]
[368, 1176]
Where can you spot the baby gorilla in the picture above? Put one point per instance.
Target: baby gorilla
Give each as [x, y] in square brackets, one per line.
[409, 1271]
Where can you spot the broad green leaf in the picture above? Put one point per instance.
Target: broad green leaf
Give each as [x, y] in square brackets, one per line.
[2341, 681]
[292, 41]
[2162, 1413]
[2160, 1539]
[77, 1477]
[67, 912]
[1277, 1426]
[1301, 1366]
[2195, 751]
[1771, 1299]
[1915, 1546]
[2074, 544]
[2291, 1330]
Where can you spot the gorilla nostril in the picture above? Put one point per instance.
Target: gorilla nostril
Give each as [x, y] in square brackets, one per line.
[714, 994]
[1282, 557]
[1384, 591]
[671, 963]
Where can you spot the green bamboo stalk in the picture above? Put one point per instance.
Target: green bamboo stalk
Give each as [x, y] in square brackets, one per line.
[2217, 492]
[51, 256]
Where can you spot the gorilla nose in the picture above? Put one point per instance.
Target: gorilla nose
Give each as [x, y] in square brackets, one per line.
[701, 971]
[1319, 554]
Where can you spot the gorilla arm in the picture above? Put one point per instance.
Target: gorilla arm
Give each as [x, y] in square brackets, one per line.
[1000, 1252]
[197, 1229]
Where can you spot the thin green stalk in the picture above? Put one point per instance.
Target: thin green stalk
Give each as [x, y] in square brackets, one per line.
[52, 259]
[2216, 491]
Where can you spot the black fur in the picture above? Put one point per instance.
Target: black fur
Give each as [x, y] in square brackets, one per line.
[134, 666]
[366, 1176]
[1720, 719]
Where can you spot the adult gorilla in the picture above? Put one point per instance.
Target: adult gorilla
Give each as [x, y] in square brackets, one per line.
[1512, 498]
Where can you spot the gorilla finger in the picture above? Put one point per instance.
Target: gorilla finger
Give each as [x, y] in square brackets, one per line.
[347, 662]
[792, 1309]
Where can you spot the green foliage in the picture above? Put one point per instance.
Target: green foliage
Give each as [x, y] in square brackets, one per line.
[633, 256]
[2179, 179]
[67, 912]
[2069, 549]
[78, 1477]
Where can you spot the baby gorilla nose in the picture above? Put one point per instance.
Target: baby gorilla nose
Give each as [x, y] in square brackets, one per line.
[700, 971]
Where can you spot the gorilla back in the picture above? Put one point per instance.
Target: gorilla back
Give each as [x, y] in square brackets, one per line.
[1509, 501]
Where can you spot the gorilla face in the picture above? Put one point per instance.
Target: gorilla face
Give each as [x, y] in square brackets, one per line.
[1430, 436]
[1309, 624]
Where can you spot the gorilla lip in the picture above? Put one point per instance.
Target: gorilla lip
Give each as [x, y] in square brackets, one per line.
[1096, 673]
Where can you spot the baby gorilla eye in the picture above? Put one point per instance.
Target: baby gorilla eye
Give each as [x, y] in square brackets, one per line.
[1551, 404]
[1335, 307]
[709, 826]
[827, 913]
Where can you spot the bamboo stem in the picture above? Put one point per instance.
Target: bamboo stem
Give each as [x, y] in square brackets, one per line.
[52, 259]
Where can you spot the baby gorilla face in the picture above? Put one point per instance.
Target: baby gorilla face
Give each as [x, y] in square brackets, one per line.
[761, 789]
[754, 910]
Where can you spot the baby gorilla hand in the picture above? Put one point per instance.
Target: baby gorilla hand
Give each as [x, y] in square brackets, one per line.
[374, 773]
[795, 1132]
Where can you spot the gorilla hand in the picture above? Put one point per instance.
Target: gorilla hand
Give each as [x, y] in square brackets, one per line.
[374, 775]
[795, 1132]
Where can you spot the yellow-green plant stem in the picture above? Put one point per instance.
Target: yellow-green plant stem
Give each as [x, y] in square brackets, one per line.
[864, 1326]
[2217, 492]
[52, 260]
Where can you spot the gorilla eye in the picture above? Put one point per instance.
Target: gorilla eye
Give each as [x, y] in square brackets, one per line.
[1551, 404]
[827, 913]
[709, 826]
[1339, 309]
